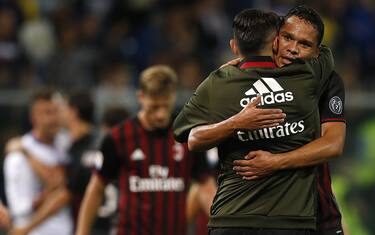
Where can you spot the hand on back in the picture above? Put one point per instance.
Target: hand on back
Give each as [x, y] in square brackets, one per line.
[251, 117]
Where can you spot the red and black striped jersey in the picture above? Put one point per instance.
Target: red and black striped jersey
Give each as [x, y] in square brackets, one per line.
[154, 172]
[331, 109]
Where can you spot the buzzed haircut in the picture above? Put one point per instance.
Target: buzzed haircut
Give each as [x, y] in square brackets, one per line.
[158, 80]
[252, 28]
[82, 102]
[310, 16]
[45, 94]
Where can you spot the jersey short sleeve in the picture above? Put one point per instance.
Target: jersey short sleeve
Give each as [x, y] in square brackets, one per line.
[332, 101]
[111, 161]
[194, 113]
[18, 184]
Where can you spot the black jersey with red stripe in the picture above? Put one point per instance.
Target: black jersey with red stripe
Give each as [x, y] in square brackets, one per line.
[154, 173]
[332, 109]
[332, 101]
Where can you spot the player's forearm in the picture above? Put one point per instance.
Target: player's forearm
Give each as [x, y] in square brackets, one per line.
[200, 197]
[52, 177]
[328, 146]
[192, 202]
[207, 136]
[90, 205]
[40, 198]
[56, 200]
[207, 191]
[5, 222]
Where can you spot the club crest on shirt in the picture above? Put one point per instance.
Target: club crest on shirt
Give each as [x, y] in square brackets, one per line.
[335, 105]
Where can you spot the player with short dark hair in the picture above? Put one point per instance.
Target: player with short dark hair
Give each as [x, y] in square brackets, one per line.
[300, 37]
[252, 36]
[283, 203]
[310, 16]
[83, 105]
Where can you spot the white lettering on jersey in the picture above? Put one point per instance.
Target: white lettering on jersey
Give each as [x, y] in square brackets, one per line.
[158, 181]
[272, 132]
[270, 90]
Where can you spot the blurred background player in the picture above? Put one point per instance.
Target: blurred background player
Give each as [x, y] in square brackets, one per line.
[78, 118]
[154, 172]
[27, 185]
[112, 116]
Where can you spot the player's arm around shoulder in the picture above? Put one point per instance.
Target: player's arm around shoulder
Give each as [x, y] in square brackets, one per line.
[51, 176]
[322, 66]
[334, 134]
[205, 137]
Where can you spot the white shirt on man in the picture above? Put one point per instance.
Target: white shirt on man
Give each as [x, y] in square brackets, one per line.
[22, 187]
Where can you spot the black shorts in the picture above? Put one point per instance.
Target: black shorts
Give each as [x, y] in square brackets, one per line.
[259, 231]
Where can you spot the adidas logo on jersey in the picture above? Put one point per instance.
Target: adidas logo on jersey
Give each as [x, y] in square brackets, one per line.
[270, 90]
[137, 155]
[272, 132]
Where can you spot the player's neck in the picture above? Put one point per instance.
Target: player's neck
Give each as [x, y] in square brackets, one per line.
[264, 52]
[78, 129]
[41, 137]
[267, 51]
[143, 120]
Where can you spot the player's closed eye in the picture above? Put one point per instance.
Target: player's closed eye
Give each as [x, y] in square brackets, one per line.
[305, 45]
[287, 37]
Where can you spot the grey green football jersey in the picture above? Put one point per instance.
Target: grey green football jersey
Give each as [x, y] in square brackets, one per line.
[286, 199]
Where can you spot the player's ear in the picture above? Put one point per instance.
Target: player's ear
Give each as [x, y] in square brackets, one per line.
[275, 45]
[234, 47]
[317, 52]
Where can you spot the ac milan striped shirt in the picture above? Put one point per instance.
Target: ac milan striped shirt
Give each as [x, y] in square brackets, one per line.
[154, 173]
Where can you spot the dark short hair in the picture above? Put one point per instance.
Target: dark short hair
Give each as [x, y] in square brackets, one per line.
[114, 115]
[310, 16]
[251, 29]
[45, 94]
[82, 102]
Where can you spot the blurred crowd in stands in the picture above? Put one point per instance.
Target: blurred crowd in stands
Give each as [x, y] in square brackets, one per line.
[104, 44]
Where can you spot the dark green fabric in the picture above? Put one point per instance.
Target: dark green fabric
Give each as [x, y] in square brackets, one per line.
[286, 199]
